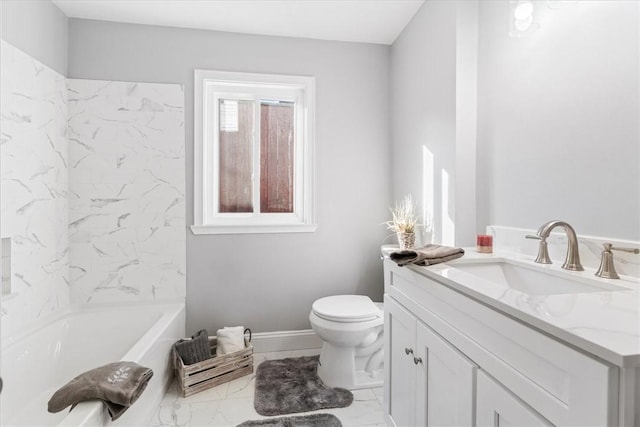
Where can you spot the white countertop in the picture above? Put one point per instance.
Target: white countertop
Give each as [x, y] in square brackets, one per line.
[604, 323]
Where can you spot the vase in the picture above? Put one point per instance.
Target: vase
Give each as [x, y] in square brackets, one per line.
[406, 240]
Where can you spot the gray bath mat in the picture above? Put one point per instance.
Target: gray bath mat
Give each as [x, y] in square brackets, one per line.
[292, 385]
[313, 420]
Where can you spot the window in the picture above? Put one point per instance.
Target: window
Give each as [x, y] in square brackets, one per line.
[253, 162]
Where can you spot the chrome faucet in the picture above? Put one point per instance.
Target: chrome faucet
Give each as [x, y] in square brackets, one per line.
[572, 261]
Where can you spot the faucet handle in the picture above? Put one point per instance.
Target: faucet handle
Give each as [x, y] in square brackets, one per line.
[613, 248]
[607, 268]
[543, 252]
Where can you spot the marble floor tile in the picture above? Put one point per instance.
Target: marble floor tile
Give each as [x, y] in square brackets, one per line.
[379, 392]
[230, 404]
[244, 387]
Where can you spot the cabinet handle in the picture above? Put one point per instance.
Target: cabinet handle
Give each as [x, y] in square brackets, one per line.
[408, 351]
[417, 360]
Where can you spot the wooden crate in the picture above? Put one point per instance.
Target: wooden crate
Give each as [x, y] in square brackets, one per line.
[214, 371]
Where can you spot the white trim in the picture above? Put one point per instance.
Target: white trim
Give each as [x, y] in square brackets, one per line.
[199, 154]
[269, 342]
[256, 79]
[253, 229]
[208, 85]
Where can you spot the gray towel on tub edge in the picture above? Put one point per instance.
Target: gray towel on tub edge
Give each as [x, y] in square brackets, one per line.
[426, 255]
[117, 384]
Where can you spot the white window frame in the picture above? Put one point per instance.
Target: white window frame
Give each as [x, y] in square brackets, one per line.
[210, 86]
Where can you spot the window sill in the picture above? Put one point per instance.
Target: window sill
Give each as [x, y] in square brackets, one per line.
[253, 229]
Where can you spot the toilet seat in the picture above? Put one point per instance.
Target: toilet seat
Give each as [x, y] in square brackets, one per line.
[346, 308]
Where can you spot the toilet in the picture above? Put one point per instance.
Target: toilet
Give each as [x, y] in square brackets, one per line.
[351, 328]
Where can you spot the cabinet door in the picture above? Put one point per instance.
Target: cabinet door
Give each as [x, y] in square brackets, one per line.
[497, 407]
[445, 390]
[400, 380]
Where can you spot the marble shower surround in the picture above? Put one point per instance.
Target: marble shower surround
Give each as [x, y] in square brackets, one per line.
[127, 191]
[92, 185]
[34, 187]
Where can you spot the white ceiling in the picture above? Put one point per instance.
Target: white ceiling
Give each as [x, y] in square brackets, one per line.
[371, 21]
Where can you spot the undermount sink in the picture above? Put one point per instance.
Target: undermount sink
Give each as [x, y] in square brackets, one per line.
[533, 281]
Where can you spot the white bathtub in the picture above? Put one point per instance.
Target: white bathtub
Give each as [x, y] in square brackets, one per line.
[56, 350]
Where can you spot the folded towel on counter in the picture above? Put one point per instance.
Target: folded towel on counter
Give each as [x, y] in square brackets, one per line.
[426, 255]
[230, 339]
[117, 384]
[194, 350]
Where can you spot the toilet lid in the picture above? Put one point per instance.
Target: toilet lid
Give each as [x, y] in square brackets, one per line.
[346, 308]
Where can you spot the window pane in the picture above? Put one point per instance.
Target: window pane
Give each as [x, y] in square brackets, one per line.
[276, 156]
[236, 156]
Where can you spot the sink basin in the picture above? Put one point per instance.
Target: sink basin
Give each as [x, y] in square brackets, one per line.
[532, 281]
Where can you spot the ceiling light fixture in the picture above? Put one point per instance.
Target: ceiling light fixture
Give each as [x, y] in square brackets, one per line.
[523, 17]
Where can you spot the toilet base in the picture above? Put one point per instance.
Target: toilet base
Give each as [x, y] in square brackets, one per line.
[342, 367]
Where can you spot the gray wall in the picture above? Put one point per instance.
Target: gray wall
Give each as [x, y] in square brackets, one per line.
[558, 132]
[39, 29]
[423, 83]
[269, 281]
[558, 119]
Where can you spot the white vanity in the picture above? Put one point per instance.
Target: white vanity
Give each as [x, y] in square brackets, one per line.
[498, 340]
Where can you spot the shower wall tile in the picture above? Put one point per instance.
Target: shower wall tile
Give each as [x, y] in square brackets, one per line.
[34, 187]
[127, 191]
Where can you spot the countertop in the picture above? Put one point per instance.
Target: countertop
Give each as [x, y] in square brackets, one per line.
[605, 323]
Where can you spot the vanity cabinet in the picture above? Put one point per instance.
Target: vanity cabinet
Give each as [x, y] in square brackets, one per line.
[451, 360]
[400, 337]
[496, 406]
[431, 382]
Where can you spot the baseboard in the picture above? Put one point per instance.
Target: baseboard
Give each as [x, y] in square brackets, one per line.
[268, 342]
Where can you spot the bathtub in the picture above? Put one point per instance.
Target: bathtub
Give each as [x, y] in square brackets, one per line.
[51, 353]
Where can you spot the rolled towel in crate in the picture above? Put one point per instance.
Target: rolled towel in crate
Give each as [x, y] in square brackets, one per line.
[216, 370]
[230, 339]
[194, 350]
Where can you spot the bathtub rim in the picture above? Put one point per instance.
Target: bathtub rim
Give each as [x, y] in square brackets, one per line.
[86, 411]
[9, 340]
[169, 311]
